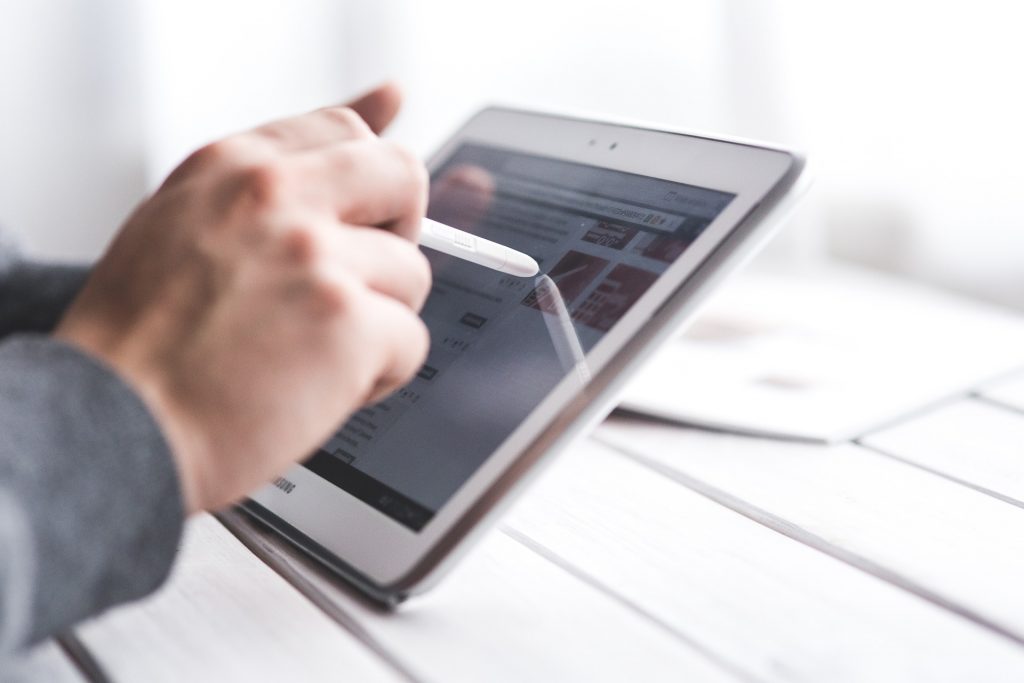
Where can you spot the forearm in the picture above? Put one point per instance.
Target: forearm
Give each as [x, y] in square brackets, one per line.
[93, 510]
[33, 296]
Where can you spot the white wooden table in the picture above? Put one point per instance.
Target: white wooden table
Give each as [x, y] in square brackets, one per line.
[649, 552]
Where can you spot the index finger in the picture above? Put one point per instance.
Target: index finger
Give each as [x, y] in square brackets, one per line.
[379, 106]
[318, 128]
[373, 111]
[373, 183]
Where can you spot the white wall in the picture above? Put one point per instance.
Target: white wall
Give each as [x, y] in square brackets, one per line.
[216, 67]
[914, 111]
[910, 109]
[72, 137]
[99, 99]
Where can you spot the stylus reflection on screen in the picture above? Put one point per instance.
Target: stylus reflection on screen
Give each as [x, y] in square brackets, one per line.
[563, 333]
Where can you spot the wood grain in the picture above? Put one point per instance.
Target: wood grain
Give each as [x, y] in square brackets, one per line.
[224, 615]
[45, 662]
[508, 614]
[976, 442]
[770, 606]
[1009, 391]
[941, 540]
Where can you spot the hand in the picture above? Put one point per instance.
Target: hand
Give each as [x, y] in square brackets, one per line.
[462, 196]
[269, 288]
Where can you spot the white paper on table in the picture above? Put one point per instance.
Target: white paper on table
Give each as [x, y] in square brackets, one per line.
[824, 357]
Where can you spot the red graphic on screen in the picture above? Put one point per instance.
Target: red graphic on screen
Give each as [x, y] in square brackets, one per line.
[612, 298]
[611, 235]
[664, 248]
[572, 275]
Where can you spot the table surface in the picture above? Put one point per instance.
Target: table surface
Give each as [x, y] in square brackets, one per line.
[648, 551]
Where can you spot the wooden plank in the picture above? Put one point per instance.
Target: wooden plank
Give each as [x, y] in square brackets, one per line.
[508, 614]
[224, 615]
[45, 662]
[972, 441]
[770, 606]
[939, 539]
[1009, 391]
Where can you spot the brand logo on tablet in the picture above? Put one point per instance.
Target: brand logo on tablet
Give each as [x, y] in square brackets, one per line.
[284, 484]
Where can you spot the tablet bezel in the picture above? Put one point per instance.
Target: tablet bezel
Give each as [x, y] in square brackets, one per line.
[389, 560]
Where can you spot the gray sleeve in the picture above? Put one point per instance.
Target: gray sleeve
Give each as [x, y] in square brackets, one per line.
[33, 296]
[90, 506]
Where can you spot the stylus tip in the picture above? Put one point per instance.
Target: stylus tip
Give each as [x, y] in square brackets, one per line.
[520, 264]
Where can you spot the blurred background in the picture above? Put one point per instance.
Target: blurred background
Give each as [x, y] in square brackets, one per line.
[911, 111]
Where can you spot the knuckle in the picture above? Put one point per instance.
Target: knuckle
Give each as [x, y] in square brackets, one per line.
[348, 119]
[226, 150]
[267, 183]
[408, 266]
[414, 350]
[302, 245]
[339, 297]
[421, 342]
[405, 359]
[422, 275]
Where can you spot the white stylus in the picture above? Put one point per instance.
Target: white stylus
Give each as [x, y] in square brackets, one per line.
[463, 245]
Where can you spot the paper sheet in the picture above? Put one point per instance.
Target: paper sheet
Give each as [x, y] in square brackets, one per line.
[826, 356]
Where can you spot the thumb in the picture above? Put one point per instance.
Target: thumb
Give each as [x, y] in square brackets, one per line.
[379, 106]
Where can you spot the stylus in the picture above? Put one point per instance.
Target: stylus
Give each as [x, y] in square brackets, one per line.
[563, 333]
[463, 245]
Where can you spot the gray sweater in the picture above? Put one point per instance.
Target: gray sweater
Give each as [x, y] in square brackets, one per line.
[90, 507]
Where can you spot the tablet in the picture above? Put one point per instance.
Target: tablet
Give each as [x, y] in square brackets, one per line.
[631, 227]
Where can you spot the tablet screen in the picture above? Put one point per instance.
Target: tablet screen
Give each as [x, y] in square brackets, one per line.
[499, 343]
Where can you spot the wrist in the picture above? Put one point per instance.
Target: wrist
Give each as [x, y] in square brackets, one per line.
[186, 445]
[183, 439]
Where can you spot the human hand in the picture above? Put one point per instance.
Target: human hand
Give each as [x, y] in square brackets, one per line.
[462, 196]
[269, 288]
